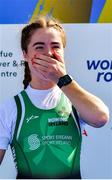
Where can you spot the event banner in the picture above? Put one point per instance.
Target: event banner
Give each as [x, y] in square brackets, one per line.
[88, 58]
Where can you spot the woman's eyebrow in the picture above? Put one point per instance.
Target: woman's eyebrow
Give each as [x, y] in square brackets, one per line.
[38, 43]
[55, 43]
[42, 43]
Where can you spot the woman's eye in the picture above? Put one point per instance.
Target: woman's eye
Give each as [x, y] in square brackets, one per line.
[39, 47]
[56, 47]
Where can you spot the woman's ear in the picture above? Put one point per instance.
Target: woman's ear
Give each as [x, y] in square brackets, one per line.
[25, 55]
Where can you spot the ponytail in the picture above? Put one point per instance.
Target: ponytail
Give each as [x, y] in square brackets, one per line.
[27, 75]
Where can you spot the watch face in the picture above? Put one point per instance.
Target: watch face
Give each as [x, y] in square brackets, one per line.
[65, 80]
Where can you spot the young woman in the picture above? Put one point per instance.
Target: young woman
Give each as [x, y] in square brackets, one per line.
[41, 123]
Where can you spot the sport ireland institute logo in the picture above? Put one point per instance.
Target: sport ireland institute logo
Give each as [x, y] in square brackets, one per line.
[34, 142]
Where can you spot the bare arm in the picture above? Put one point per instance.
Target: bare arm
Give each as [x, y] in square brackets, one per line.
[2, 153]
[90, 107]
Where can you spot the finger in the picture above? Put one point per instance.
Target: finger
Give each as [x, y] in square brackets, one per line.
[56, 55]
[42, 73]
[42, 63]
[33, 59]
[47, 58]
[41, 67]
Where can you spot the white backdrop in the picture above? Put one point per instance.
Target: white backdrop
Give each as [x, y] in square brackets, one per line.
[88, 59]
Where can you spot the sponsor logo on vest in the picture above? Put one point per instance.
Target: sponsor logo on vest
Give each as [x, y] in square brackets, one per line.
[58, 121]
[31, 118]
[33, 142]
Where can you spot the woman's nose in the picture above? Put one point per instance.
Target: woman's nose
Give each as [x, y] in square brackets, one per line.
[48, 51]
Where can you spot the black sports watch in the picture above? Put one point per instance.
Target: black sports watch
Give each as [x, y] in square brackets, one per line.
[64, 80]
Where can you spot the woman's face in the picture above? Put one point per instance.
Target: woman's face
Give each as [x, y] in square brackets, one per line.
[45, 41]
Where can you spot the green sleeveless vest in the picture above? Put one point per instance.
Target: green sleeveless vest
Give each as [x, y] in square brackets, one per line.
[46, 143]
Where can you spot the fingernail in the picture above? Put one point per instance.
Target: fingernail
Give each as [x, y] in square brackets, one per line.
[32, 61]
